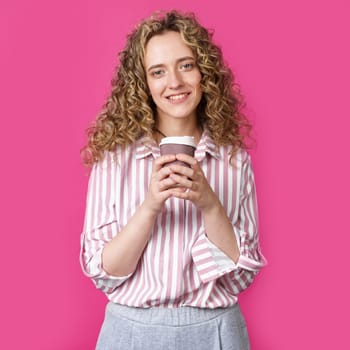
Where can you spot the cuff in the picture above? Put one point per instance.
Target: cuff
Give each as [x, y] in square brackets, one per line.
[250, 264]
[210, 261]
[100, 277]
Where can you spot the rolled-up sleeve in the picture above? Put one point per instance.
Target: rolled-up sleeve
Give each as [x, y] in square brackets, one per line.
[211, 262]
[100, 224]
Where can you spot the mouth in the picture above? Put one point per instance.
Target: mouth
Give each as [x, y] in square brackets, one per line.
[178, 97]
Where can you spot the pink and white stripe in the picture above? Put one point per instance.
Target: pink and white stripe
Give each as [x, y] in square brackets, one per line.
[179, 266]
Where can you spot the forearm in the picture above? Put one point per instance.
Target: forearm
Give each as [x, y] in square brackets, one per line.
[219, 230]
[121, 255]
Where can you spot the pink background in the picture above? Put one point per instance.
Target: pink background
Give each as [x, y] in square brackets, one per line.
[291, 59]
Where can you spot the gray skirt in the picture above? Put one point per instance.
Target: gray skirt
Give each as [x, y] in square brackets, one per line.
[183, 328]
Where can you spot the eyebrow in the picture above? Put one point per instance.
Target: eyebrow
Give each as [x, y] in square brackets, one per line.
[179, 60]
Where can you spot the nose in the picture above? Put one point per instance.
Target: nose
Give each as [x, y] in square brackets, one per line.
[174, 79]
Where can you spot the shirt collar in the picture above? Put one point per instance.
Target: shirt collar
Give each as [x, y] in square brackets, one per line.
[147, 146]
[206, 145]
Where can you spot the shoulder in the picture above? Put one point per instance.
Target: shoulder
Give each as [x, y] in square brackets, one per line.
[243, 156]
[238, 158]
[117, 157]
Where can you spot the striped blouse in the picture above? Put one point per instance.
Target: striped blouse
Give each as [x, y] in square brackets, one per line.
[179, 266]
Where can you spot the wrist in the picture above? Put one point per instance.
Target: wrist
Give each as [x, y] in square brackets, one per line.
[148, 210]
[214, 208]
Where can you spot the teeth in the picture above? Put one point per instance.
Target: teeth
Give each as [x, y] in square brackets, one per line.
[177, 97]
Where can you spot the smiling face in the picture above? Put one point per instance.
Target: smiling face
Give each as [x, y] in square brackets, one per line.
[173, 77]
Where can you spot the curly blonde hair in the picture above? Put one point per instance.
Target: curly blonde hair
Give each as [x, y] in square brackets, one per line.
[129, 112]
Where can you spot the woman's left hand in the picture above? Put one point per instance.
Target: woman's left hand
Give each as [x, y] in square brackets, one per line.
[193, 184]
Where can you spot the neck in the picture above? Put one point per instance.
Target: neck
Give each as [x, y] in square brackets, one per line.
[178, 128]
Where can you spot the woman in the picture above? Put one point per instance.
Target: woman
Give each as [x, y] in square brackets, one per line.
[171, 246]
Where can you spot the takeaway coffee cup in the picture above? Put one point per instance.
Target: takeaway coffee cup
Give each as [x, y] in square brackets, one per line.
[176, 145]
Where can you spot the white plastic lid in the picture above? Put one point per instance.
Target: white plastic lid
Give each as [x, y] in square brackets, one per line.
[182, 140]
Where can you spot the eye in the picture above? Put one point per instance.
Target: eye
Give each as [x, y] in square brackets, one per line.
[187, 66]
[157, 73]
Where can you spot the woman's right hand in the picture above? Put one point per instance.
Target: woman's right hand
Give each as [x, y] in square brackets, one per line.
[160, 185]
